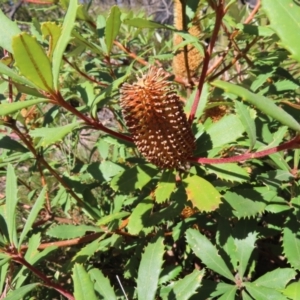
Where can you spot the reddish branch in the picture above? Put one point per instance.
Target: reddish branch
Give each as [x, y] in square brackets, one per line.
[292, 144]
[219, 9]
[18, 258]
[84, 74]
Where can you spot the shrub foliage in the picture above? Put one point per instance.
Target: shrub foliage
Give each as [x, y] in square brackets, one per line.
[209, 211]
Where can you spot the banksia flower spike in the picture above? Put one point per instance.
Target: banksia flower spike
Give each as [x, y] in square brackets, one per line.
[194, 56]
[155, 118]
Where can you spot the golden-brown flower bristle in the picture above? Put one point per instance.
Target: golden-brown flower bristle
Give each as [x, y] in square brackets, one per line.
[155, 118]
[194, 55]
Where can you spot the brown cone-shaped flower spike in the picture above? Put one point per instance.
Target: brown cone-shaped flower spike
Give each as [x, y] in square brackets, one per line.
[155, 118]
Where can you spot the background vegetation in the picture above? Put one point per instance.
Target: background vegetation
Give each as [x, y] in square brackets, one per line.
[84, 216]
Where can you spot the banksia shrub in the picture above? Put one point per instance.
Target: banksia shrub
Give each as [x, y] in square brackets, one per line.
[155, 118]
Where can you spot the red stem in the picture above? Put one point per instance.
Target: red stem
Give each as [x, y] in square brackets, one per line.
[207, 55]
[19, 259]
[292, 144]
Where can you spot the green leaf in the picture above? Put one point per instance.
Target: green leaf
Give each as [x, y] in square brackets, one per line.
[243, 205]
[165, 186]
[226, 130]
[186, 287]
[247, 117]
[203, 101]
[32, 61]
[169, 273]
[50, 136]
[149, 269]
[276, 279]
[255, 30]
[263, 293]
[202, 193]
[110, 169]
[112, 28]
[284, 15]
[230, 293]
[139, 217]
[291, 243]
[21, 292]
[32, 215]
[262, 103]
[228, 172]
[68, 231]
[63, 40]
[83, 285]
[102, 285]
[143, 23]
[207, 252]
[134, 178]
[244, 248]
[53, 31]
[10, 108]
[4, 70]
[8, 29]
[292, 291]
[11, 191]
[115, 216]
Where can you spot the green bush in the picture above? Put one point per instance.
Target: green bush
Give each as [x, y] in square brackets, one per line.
[83, 215]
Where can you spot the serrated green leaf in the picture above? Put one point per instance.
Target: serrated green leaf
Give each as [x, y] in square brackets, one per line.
[149, 269]
[112, 28]
[143, 23]
[262, 103]
[226, 130]
[63, 40]
[244, 248]
[207, 252]
[243, 205]
[284, 15]
[102, 285]
[165, 186]
[32, 61]
[140, 216]
[228, 172]
[83, 285]
[184, 288]
[89, 250]
[285, 85]
[112, 217]
[169, 273]
[247, 118]
[110, 169]
[52, 30]
[219, 289]
[134, 178]
[50, 136]
[276, 279]
[263, 293]
[32, 215]
[230, 293]
[202, 193]
[255, 30]
[8, 29]
[291, 243]
[68, 231]
[292, 291]
[4, 70]
[10, 108]
[11, 191]
[21, 292]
